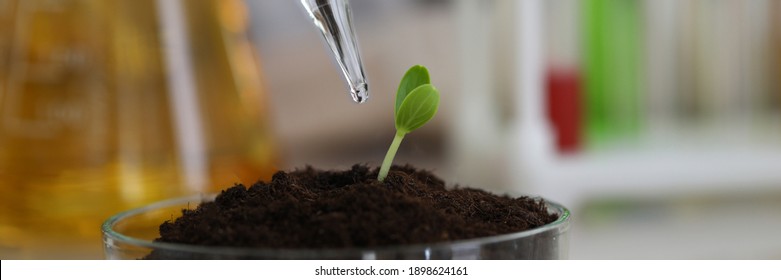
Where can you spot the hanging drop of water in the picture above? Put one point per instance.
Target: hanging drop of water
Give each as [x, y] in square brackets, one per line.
[333, 19]
[360, 92]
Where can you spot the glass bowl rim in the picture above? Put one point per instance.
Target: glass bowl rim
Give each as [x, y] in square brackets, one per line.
[109, 233]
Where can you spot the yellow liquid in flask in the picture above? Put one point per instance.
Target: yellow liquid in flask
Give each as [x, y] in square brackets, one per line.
[110, 105]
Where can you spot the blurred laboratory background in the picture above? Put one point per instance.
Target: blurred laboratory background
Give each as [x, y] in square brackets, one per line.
[656, 122]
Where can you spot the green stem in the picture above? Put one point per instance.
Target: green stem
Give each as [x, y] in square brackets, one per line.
[386, 164]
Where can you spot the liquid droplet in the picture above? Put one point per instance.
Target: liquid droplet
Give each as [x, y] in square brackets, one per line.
[360, 93]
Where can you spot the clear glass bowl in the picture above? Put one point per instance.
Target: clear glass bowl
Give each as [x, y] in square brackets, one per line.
[130, 235]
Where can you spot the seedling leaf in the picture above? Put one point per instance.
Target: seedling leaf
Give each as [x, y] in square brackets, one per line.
[416, 76]
[418, 107]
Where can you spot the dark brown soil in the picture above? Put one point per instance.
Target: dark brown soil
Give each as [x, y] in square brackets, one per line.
[332, 209]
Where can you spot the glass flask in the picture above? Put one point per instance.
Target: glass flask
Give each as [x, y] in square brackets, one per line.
[109, 105]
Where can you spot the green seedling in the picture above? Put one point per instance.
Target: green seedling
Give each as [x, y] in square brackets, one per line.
[416, 103]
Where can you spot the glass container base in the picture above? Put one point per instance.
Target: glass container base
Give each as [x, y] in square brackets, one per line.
[130, 235]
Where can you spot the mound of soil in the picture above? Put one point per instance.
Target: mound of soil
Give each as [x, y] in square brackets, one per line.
[310, 208]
